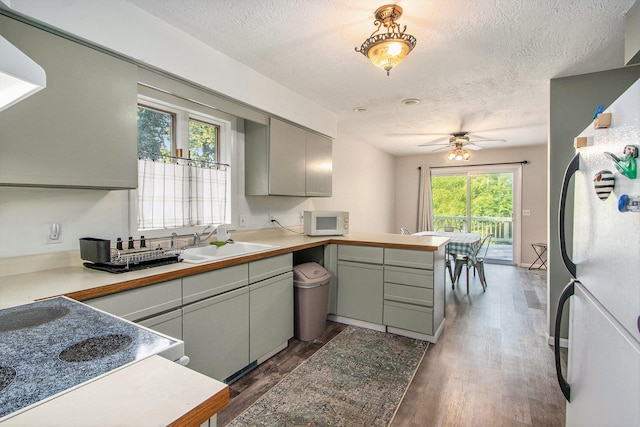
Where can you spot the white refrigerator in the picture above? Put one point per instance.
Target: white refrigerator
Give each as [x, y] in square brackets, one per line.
[602, 382]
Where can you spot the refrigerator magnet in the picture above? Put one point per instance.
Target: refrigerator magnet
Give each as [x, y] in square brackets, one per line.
[626, 164]
[604, 182]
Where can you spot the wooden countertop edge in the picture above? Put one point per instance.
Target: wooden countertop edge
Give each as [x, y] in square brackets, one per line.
[204, 411]
[126, 285]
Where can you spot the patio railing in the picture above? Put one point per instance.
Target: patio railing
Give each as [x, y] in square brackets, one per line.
[501, 227]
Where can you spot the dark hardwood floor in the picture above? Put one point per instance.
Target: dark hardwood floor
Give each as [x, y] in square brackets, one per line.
[491, 367]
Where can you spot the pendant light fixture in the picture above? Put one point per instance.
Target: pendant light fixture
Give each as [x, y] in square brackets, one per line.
[387, 49]
[20, 76]
[458, 154]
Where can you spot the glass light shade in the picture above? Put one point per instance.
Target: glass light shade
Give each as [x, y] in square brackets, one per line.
[388, 53]
[20, 76]
[459, 154]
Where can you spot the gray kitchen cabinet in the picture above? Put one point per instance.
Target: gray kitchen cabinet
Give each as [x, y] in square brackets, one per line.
[271, 304]
[211, 283]
[331, 265]
[216, 334]
[141, 303]
[285, 160]
[81, 130]
[360, 284]
[270, 314]
[319, 166]
[414, 290]
[167, 323]
[270, 267]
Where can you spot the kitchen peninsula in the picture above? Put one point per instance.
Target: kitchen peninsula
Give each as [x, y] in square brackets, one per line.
[123, 386]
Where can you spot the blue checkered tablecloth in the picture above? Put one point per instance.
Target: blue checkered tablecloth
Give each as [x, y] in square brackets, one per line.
[459, 243]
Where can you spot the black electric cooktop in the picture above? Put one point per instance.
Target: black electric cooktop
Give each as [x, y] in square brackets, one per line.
[52, 346]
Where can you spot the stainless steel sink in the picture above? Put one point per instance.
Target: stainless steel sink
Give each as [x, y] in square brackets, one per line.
[210, 253]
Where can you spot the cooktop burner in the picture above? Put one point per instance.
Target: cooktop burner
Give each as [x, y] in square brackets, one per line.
[52, 346]
[30, 317]
[95, 348]
[7, 375]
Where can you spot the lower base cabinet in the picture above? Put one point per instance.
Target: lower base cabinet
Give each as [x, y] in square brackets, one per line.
[167, 323]
[360, 291]
[270, 315]
[216, 334]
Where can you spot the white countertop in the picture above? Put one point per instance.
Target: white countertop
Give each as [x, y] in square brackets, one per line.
[159, 393]
[22, 288]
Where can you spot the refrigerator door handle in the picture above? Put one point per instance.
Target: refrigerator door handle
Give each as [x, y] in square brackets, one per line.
[573, 167]
[566, 294]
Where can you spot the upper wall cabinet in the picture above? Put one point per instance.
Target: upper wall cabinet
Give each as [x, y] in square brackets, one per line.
[81, 130]
[285, 160]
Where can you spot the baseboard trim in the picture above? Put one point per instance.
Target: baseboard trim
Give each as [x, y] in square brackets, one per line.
[355, 322]
[564, 342]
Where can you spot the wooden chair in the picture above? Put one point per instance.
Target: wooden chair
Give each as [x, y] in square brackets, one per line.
[461, 260]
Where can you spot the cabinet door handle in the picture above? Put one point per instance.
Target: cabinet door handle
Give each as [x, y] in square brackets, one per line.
[567, 293]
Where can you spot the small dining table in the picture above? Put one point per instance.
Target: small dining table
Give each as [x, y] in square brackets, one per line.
[460, 244]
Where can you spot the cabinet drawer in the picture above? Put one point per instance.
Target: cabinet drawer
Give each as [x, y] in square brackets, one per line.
[408, 294]
[200, 286]
[269, 267]
[409, 317]
[409, 258]
[142, 302]
[408, 276]
[366, 254]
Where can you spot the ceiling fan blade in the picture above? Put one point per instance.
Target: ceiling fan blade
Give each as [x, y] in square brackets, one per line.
[472, 146]
[445, 148]
[476, 141]
[439, 141]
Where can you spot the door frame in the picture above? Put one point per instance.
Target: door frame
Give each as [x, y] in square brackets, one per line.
[516, 170]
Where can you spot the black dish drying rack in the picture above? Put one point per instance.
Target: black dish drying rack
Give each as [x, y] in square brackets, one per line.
[101, 256]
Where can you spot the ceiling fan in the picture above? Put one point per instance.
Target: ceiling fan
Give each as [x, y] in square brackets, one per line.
[458, 141]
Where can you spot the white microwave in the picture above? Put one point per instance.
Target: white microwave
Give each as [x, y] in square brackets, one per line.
[326, 223]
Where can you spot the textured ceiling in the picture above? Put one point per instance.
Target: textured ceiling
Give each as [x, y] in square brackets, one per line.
[481, 66]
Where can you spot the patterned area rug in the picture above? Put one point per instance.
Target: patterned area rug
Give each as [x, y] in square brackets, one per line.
[356, 379]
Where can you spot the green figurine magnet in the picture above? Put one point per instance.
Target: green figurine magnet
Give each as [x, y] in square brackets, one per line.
[627, 165]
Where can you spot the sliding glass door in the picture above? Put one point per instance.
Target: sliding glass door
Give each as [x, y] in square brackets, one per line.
[478, 201]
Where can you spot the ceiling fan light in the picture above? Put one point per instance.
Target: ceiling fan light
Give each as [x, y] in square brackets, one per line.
[451, 155]
[466, 155]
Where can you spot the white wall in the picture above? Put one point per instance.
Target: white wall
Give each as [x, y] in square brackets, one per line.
[363, 184]
[534, 194]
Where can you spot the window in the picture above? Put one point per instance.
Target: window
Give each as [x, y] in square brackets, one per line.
[479, 200]
[182, 178]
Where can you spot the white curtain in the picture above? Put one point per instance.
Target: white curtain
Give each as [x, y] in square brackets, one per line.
[180, 195]
[425, 221]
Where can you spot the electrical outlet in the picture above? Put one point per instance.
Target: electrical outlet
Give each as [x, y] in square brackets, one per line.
[301, 217]
[53, 233]
[272, 217]
[243, 221]
[526, 212]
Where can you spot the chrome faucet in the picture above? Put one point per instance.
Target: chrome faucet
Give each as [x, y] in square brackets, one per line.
[174, 236]
[197, 238]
